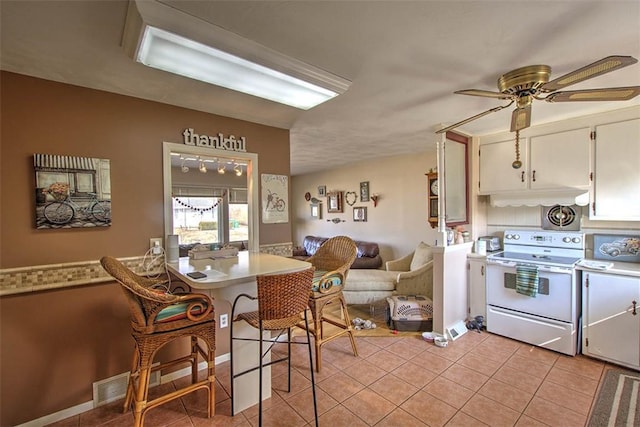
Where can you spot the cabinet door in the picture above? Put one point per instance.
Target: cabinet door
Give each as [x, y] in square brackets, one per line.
[611, 330]
[496, 172]
[616, 191]
[477, 288]
[561, 160]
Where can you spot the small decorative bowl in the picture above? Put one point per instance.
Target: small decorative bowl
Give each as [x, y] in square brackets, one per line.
[441, 341]
[428, 336]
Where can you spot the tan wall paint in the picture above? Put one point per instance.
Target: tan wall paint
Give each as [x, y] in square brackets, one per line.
[54, 345]
[397, 224]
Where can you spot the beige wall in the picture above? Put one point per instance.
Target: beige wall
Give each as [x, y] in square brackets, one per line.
[397, 224]
[55, 344]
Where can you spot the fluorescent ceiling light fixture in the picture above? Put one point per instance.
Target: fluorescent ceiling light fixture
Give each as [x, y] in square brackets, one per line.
[179, 55]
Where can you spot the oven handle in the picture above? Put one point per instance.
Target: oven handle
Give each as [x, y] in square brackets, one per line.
[541, 268]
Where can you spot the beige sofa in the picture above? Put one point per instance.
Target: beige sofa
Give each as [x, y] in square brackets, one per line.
[409, 275]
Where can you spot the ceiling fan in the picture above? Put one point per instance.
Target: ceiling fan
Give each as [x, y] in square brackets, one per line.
[522, 85]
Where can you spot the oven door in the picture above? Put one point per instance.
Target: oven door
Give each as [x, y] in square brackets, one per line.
[556, 297]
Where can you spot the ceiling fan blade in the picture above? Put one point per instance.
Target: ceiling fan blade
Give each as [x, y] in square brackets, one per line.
[521, 118]
[606, 94]
[605, 65]
[485, 93]
[470, 119]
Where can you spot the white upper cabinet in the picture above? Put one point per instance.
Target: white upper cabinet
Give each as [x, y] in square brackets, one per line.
[560, 160]
[616, 189]
[496, 172]
[551, 161]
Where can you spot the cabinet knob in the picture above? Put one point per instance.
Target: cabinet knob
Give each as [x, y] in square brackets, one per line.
[522, 176]
[534, 176]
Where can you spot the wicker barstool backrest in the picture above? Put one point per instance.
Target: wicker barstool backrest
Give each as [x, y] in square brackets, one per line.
[142, 299]
[282, 296]
[336, 254]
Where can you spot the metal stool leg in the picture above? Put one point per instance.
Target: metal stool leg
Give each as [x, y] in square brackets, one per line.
[260, 375]
[313, 381]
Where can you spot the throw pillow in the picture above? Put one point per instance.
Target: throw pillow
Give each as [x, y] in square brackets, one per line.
[421, 256]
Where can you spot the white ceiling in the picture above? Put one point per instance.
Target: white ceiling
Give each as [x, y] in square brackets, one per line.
[405, 59]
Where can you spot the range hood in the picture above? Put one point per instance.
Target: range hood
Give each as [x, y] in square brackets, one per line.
[565, 197]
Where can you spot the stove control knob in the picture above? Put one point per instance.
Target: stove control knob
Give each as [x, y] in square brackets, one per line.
[576, 240]
[508, 237]
[566, 239]
[516, 236]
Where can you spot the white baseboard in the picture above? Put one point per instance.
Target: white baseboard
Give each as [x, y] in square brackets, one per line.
[87, 406]
[60, 415]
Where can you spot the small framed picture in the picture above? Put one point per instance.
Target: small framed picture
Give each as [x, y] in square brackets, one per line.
[360, 214]
[316, 211]
[364, 191]
[615, 247]
[322, 190]
[334, 202]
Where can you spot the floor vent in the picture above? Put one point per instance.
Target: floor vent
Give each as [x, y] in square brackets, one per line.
[114, 388]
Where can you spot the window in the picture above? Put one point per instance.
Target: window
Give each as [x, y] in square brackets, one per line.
[197, 219]
[200, 187]
[238, 215]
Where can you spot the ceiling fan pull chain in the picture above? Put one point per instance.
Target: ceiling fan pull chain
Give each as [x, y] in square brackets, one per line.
[517, 164]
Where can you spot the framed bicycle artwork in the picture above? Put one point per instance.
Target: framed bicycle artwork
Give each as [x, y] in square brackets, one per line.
[72, 192]
[275, 198]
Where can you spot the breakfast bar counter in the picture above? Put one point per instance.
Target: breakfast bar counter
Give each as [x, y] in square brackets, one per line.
[225, 279]
[227, 271]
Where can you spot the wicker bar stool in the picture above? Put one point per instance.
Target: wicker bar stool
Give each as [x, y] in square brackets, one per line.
[332, 261]
[282, 298]
[157, 318]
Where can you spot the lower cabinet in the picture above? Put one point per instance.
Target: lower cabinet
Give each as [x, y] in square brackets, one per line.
[611, 318]
[477, 295]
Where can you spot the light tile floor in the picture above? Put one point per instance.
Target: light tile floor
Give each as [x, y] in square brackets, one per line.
[480, 379]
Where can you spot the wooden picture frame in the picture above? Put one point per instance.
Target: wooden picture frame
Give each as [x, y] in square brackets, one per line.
[364, 191]
[360, 214]
[334, 202]
[316, 211]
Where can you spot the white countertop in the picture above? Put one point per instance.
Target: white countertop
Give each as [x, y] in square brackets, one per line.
[223, 272]
[624, 268]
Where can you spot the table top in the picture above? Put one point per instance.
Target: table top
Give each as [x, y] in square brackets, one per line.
[222, 272]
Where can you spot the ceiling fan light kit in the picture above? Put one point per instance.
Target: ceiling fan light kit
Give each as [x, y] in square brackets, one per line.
[525, 84]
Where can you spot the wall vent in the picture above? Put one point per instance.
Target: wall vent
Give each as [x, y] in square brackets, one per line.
[114, 388]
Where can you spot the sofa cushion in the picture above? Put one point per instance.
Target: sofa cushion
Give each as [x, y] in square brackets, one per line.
[421, 256]
[368, 280]
[368, 255]
[367, 262]
[312, 243]
[367, 249]
[300, 252]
